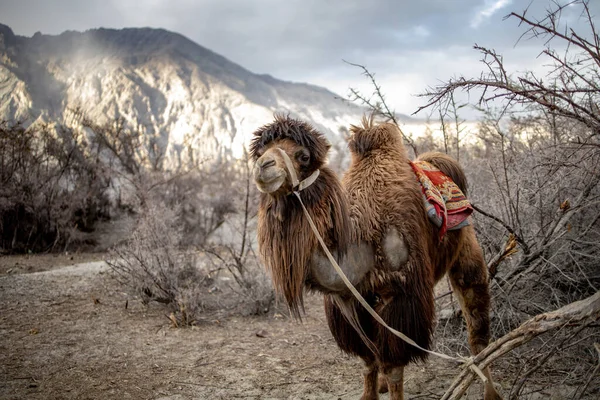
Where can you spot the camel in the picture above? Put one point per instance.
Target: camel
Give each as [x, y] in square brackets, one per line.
[374, 222]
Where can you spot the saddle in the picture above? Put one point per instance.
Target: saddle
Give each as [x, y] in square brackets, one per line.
[447, 206]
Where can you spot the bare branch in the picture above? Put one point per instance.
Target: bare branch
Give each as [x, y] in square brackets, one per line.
[380, 107]
[575, 314]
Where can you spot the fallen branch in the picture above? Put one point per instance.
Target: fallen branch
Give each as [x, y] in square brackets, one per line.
[574, 314]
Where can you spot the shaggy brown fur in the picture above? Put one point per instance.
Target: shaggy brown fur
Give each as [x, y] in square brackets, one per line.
[379, 193]
[285, 238]
[384, 193]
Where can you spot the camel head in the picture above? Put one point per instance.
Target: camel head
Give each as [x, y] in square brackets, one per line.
[304, 146]
[286, 241]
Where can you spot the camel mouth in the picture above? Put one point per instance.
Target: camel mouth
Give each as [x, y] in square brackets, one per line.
[269, 180]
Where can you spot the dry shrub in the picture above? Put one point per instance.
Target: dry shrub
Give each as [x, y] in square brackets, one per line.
[52, 194]
[219, 278]
[152, 266]
[245, 279]
[202, 201]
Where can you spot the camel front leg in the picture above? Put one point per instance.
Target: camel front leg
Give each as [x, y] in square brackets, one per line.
[370, 381]
[394, 377]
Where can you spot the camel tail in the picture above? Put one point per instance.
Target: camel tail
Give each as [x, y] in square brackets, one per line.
[448, 166]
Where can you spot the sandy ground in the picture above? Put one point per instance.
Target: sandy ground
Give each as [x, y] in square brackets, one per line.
[67, 334]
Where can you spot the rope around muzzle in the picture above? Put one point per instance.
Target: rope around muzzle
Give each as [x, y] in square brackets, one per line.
[467, 361]
[296, 185]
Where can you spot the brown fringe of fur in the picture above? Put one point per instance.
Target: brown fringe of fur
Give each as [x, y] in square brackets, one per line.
[300, 132]
[411, 310]
[448, 166]
[408, 306]
[351, 339]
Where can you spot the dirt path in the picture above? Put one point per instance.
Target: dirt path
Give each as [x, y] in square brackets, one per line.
[26, 264]
[67, 334]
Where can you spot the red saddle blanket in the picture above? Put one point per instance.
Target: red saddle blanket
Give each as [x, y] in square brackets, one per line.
[447, 206]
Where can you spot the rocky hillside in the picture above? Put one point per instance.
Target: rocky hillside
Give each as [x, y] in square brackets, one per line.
[159, 82]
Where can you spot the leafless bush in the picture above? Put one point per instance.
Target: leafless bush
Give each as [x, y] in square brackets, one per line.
[193, 246]
[189, 281]
[210, 214]
[51, 194]
[137, 163]
[543, 191]
[151, 264]
[203, 202]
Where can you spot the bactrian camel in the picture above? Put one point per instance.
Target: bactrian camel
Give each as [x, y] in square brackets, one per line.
[376, 226]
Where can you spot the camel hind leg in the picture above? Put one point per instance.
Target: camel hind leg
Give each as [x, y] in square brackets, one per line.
[469, 279]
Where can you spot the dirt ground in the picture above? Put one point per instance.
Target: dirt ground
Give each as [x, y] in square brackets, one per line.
[69, 332]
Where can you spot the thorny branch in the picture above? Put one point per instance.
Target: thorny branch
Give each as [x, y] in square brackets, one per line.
[570, 90]
[379, 106]
[575, 314]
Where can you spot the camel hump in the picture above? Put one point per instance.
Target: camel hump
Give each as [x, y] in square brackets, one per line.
[448, 166]
[372, 136]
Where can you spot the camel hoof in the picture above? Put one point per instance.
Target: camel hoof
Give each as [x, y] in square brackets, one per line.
[383, 386]
[491, 394]
[369, 397]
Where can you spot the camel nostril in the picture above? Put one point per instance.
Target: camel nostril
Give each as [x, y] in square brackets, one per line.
[268, 164]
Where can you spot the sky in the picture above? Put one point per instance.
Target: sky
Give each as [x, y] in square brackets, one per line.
[408, 45]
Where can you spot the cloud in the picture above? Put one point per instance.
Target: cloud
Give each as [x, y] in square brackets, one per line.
[409, 45]
[403, 76]
[489, 9]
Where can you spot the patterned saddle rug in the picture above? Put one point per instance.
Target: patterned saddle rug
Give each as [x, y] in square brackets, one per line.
[447, 206]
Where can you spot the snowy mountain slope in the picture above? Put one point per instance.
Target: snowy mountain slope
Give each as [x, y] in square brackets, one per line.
[160, 82]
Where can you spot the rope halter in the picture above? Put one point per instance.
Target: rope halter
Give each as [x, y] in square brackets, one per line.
[298, 186]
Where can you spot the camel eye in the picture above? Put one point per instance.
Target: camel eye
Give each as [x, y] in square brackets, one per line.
[303, 156]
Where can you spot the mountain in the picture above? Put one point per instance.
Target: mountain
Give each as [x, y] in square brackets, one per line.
[160, 83]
